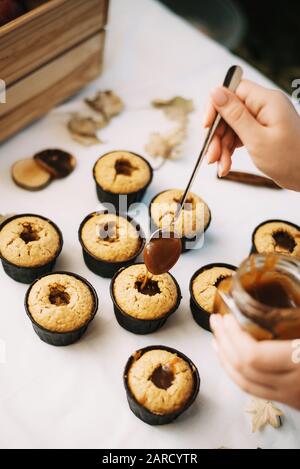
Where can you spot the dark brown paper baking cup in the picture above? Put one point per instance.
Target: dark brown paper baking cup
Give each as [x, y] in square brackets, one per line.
[61, 339]
[141, 326]
[28, 274]
[107, 197]
[201, 316]
[104, 268]
[187, 243]
[146, 415]
[253, 247]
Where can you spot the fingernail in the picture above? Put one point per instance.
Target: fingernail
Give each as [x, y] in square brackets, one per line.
[219, 97]
[209, 157]
[221, 170]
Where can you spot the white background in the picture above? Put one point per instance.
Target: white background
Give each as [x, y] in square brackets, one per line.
[73, 397]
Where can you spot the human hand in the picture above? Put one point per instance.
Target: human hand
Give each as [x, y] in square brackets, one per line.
[264, 369]
[262, 120]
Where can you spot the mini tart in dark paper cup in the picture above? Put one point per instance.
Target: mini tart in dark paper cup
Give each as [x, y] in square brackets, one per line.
[61, 339]
[142, 412]
[123, 200]
[200, 315]
[103, 268]
[137, 325]
[187, 243]
[28, 274]
[281, 237]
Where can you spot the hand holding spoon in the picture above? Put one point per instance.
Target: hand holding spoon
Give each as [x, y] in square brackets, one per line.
[164, 248]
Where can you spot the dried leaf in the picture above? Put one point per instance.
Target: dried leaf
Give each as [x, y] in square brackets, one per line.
[84, 129]
[106, 103]
[177, 108]
[166, 146]
[263, 413]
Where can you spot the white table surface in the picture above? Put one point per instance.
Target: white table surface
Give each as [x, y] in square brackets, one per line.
[73, 397]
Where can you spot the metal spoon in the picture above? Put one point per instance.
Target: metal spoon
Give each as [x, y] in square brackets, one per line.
[231, 81]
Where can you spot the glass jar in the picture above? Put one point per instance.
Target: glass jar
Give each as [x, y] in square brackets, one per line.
[264, 296]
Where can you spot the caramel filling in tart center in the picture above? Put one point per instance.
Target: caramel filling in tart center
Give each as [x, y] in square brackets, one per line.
[124, 167]
[284, 240]
[29, 233]
[219, 280]
[108, 232]
[162, 377]
[149, 287]
[58, 296]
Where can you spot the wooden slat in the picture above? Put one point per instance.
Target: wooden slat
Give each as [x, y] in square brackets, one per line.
[36, 94]
[37, 37]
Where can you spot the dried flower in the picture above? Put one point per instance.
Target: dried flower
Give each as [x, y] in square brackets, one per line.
[166, 146]
[177, 108]
[263, 413]
[84, 129]
[106, 103]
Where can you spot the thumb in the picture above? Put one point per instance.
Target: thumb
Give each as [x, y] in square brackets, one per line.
[235, 114]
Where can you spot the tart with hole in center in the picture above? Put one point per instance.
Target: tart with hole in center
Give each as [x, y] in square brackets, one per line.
[161, 383]
[60, 307]
[142, 307]
[122, 173]
[29, 246]
[109, 242]
[203, 290]
[277, 236]
[194, 220]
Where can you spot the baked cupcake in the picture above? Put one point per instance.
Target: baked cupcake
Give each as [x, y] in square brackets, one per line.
[140, 308]
[122, 173]
[203, 290]
[277, 236]
[161, 383]
[61, 306]
[194, 220]
[29, 246]
[110, 242]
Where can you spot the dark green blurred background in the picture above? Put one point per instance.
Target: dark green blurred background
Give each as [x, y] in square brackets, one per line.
[264, 33]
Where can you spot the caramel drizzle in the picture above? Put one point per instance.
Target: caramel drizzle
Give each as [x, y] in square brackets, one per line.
[147, 278]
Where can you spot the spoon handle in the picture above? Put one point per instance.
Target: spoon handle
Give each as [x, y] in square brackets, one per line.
[232, 81]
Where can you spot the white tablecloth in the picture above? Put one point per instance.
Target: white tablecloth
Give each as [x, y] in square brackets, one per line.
[73, 397]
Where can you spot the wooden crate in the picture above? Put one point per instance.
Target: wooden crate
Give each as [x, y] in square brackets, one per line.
[47, 55]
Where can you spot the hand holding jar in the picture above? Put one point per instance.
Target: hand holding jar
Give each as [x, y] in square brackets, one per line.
[266, 369]
[264, 298]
